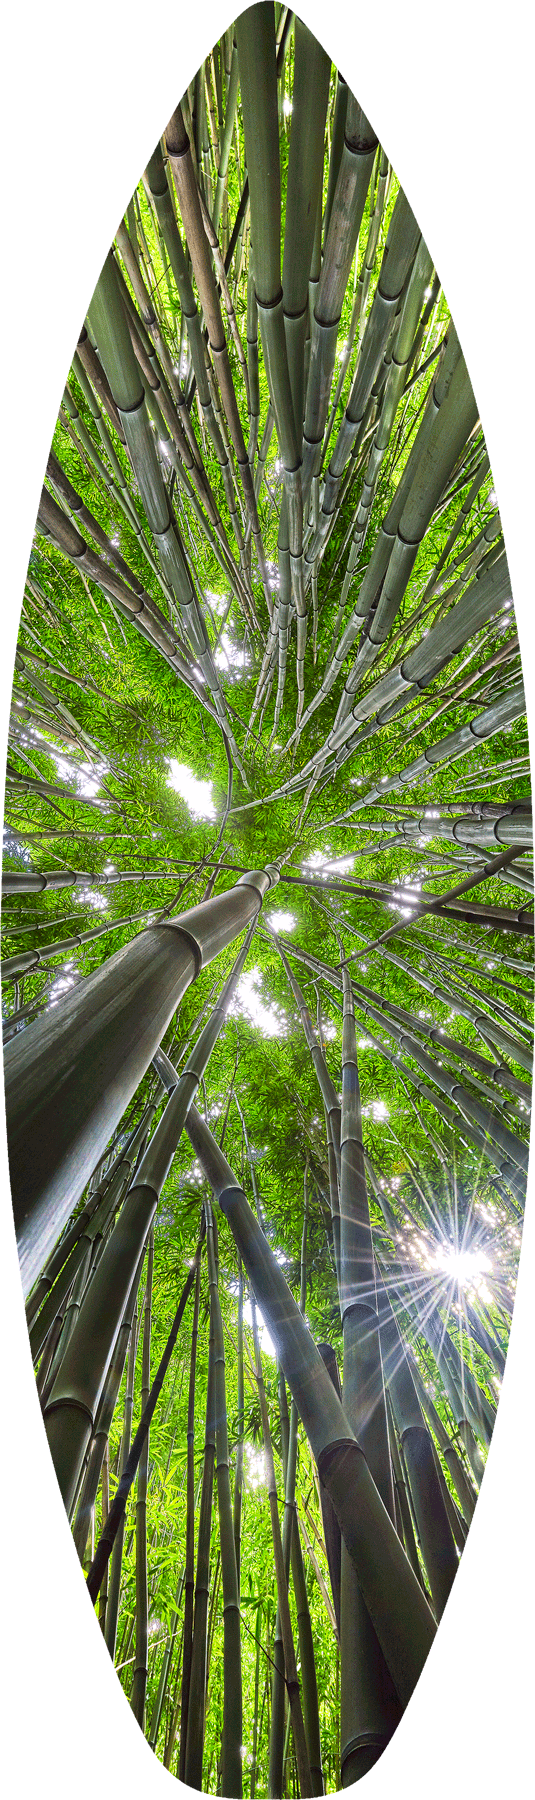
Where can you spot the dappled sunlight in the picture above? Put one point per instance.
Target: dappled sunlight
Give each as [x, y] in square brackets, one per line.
[197, 794]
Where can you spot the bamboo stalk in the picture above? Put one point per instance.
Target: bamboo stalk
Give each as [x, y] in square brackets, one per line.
[189, 1578]
[139, 1688]
[98, 1042]
[290, 1666]
[400, 1615]
[231, 1761]
[197, 1692]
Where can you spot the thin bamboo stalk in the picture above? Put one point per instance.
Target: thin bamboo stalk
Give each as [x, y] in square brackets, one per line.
[116, 1512]
[197, 1693]
[141, 1665]
[189, 1578]
[290, 1665]
[231, 1760]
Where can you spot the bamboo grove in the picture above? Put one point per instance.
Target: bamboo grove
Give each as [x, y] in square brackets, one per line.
[268, 1150]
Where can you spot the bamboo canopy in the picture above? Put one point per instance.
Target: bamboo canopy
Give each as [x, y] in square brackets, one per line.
[268, 1151]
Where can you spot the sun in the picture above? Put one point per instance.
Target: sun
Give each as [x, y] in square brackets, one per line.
[466, 1267]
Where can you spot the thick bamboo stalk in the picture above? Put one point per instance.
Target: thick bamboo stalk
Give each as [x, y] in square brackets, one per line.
[108, 1199]
[76, 1392]
[71, 1074]
[438, 1548]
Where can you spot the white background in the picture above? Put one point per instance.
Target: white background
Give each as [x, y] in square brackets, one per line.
[86, 93]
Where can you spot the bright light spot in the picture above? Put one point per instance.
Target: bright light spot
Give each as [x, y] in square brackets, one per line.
[328, 1030]
[247, 999]
[91, 898]
[197, 794]
[62, 985]
[218, 602]
[463, 1266]
[287, 106]
[273, 575]
[376, 1110]
[364, 1043]
[492, 498]
[254, 1460]
[340, 865]
[164, 447]
[87, 776]
[230, 656]
[281, 921]
[427, 293]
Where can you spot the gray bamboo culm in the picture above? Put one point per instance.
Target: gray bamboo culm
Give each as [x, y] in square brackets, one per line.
[70, 1075]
